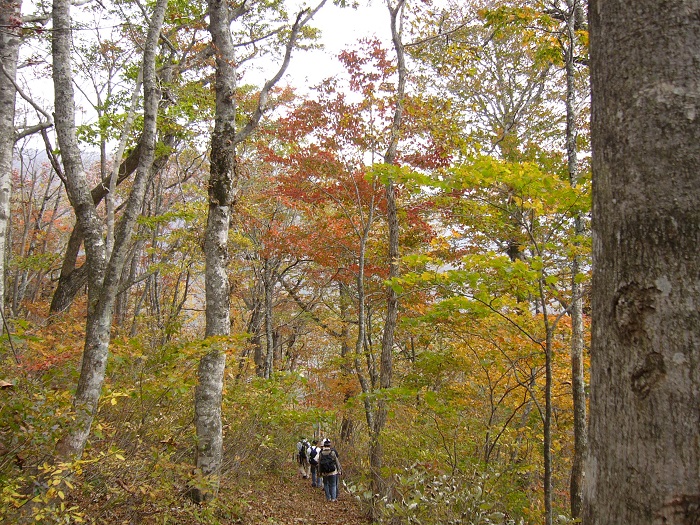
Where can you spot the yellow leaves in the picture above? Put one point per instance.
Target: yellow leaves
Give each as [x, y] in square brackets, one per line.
[427, 276]
[111, 398]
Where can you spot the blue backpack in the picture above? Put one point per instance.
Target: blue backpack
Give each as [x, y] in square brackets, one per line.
[313, 455]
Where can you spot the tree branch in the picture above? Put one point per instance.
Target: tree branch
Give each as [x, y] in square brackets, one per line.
[302, 19]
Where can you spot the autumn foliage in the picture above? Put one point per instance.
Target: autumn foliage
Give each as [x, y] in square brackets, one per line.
[488, 231]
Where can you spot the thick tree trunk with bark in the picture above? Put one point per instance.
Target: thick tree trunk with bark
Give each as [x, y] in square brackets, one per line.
[10, 18]
[222, 182]
[103, 276]
[222, 191]
[643, 465]
[94, 359]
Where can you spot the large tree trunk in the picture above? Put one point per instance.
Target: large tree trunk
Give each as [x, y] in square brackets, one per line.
[103, 277]
[222, 185]
[10, 18]
[643, 465]
[222, 188]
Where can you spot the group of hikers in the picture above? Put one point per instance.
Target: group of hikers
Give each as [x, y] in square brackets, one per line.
[321, 464]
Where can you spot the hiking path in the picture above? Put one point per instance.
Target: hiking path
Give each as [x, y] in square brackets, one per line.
[288, 499]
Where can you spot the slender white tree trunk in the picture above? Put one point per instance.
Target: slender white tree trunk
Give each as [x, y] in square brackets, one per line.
[10, 17]
[577, 331]
[643, 465]
[222, 191]
[103, 275]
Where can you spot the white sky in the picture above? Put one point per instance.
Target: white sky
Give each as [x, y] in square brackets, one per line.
[341, 29]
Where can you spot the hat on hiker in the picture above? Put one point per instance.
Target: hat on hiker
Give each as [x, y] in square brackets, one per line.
[326, 442]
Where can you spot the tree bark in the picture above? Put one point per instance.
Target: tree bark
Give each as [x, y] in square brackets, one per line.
[380, 486]
[103, 276]
[222, 191]
[10, 20]
[222, 173]
[578, 386]
[643, 465]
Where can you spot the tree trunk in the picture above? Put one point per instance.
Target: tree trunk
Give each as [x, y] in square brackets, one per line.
[10, 19]
[222, 191]
[578, 386]
[72, 279]
[255, 327]
[222, 181]
[103, 278]
[347, 426]
[547, 430]
[643, 464]
[380, 486]
[365, 384]
[268, 285]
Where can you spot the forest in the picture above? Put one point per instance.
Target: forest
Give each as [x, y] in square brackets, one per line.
[205, 263]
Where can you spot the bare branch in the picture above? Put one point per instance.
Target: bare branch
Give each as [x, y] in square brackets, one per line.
[438, 36]
[302, 19]
[41, 125]
[52, 157]
[30, 130]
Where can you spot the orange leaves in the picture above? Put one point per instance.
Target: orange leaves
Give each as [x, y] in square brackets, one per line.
[43, 348]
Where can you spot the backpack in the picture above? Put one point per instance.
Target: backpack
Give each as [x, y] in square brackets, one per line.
[326, 464]
[313, 456]
[302, 453]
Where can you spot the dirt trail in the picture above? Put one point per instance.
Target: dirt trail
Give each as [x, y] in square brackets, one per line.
[291, 500]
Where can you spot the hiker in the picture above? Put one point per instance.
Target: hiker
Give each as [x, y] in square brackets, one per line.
[314, 451]
[330, 469]
[302, 458]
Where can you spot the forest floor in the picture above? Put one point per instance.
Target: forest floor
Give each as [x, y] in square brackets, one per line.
[288, 499]
[282, 497]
